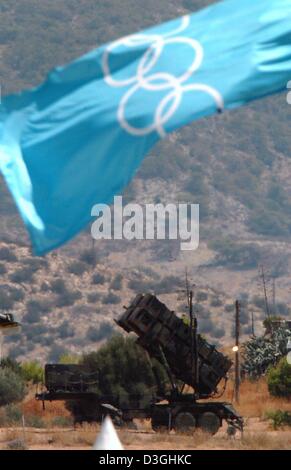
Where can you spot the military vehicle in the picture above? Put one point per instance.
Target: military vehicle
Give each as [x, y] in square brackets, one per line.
[188, 359]
[7, 322]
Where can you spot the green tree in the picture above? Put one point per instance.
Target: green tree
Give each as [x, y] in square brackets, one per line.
[126, 377]
[12, 387]
[279, 379]
[32, 372]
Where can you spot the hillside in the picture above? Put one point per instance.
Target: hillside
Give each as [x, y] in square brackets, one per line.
[236, 166]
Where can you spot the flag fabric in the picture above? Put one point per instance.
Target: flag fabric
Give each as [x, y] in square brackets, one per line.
[78, 138]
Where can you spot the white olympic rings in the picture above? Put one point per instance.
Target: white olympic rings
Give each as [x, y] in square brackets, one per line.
[157, 81]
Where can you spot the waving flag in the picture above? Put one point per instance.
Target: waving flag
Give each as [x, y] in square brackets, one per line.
[78, 139]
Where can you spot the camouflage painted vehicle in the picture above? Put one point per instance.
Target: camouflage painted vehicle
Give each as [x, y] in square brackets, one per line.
[168, 339]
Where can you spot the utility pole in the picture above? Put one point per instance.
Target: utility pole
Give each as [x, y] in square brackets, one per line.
[274, 295]
[236, 349]
[194, 342]
[265, 292]
[253, 324]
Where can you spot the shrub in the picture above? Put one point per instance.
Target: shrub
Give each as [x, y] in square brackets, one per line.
[17, 444]
[66, 330]
[116, 284]
[35, 263]
[279, 418]
[32, 316]
[98, 278]
[12, 415]
[58, 286]
[6, 254]
[34, 421]
[9, 295]
[111, 299]
[62, 421]
[259, 302]
[12, 364]
[218, 332]
[11, 386]
[34, 333]
[56, 352]
[216, 302]
[6, 303]
[201, 296]
[97, 334]
[32, 372]
[68, 298]
[205, 325]
[38, 305]
[235, 255]
[279, 379]
[77, 267]
[93, 297]
[3, 269]
[22, 275]
[229, 307]
[89, 257]
[125, 374]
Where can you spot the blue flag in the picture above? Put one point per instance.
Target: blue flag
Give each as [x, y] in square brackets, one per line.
[78, 139]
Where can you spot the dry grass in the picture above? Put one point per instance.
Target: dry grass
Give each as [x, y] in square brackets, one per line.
[255, 400]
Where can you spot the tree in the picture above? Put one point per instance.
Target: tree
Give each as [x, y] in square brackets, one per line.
[32, 372]
[12, 387]
[126, 377]
[279, 379]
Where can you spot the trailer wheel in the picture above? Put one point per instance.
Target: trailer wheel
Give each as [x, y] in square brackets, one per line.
[209, 422]
[185, 422]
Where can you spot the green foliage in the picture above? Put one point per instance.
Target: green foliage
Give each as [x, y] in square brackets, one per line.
[10, 415]
[32, 372]
[68, 298]
[34, 421]
[267, 323]
[9, 295]
[62, 421]
[279, 418]
[3, 269]
[98, 334]
[89, 257]
[69, 358]
[7, 254]
[21, 275]
[216, 302]
[98, 278]
[235, 255]
[58, 286]
[279, 379]
[66, 330]
[116, 284]
[77, 267]
[93, 297]
[111, 298]
[125, 373]
[11, 364]
[35, 263]
[11, 386]
[201, 296]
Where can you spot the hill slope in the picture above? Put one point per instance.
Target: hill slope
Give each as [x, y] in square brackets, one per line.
[236, 166]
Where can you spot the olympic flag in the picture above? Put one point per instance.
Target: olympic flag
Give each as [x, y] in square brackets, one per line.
[78, 139]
